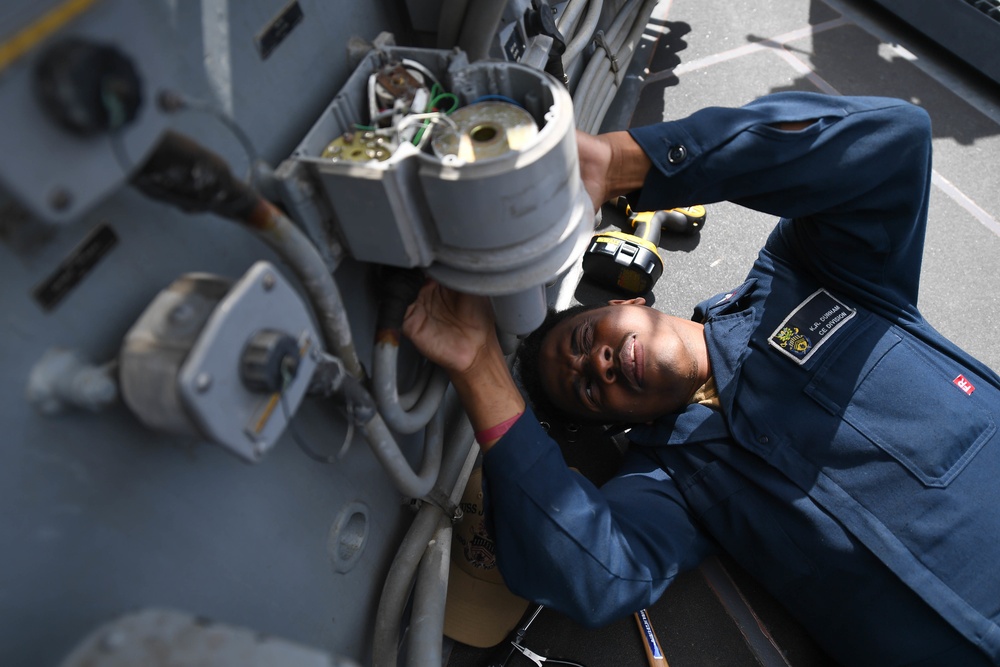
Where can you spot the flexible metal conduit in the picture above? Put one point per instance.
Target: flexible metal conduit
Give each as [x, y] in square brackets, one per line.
[301, 255]
[459, 458]
[396, 588]
[410, 397]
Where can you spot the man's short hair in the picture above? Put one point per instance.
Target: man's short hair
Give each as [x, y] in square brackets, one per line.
[527, 367]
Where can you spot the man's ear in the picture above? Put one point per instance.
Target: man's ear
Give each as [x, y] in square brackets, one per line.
[637, 301]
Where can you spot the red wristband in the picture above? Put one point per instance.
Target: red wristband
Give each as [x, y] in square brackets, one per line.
[496, 432]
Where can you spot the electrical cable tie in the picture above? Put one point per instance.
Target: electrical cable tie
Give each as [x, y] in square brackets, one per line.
[602, 43]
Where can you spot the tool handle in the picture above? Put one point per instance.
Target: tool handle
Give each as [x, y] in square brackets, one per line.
[648, 225]
[502, 654]
[650, 642]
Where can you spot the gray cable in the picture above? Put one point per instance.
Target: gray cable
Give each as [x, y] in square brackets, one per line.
[584, 34]
[625, 54]
[570, 17]
[429, 596]
[386, 390]
[459, 459]
[599, 65]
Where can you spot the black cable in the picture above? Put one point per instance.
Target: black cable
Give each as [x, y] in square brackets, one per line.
[171, 101]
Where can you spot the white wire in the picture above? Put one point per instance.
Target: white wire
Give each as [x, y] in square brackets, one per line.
[372, 102]
[413, 64]
[433, 116]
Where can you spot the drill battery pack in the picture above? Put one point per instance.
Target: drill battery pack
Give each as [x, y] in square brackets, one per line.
[629, 262]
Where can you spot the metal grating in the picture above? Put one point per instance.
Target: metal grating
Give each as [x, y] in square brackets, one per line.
[989, 7]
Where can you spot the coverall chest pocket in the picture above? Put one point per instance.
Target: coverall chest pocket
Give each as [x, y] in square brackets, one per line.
[907, 400]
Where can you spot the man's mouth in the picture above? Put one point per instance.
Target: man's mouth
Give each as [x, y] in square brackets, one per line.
[630, 359]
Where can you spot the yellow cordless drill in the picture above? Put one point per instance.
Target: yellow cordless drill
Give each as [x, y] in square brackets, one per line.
[632, 262]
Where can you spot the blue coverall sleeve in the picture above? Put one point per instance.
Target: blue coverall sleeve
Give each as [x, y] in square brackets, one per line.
[593, 554]
[852, 185]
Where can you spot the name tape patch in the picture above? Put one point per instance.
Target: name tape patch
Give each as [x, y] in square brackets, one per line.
[812, 323]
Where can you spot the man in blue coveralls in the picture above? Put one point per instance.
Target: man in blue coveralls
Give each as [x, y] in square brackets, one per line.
[809, 421]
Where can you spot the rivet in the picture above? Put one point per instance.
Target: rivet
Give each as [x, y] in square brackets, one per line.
[202, 382]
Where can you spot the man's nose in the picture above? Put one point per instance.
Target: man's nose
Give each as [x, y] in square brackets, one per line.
[602, 363]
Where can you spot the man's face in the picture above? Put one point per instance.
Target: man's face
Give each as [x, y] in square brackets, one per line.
[622, 362]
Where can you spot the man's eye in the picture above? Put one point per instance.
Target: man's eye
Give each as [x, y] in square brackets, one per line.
[588, 337]
[589, 390]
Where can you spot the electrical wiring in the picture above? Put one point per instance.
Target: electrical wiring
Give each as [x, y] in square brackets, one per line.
[436, 98]
[414, 65]
[576, 45]
[567, 22]
[407, 119]
[625, 51]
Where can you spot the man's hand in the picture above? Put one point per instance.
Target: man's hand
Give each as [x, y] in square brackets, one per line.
[449, 328]
[611, 164]
[456, 331]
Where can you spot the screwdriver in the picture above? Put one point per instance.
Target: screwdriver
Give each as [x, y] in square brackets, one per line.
[650, 642]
